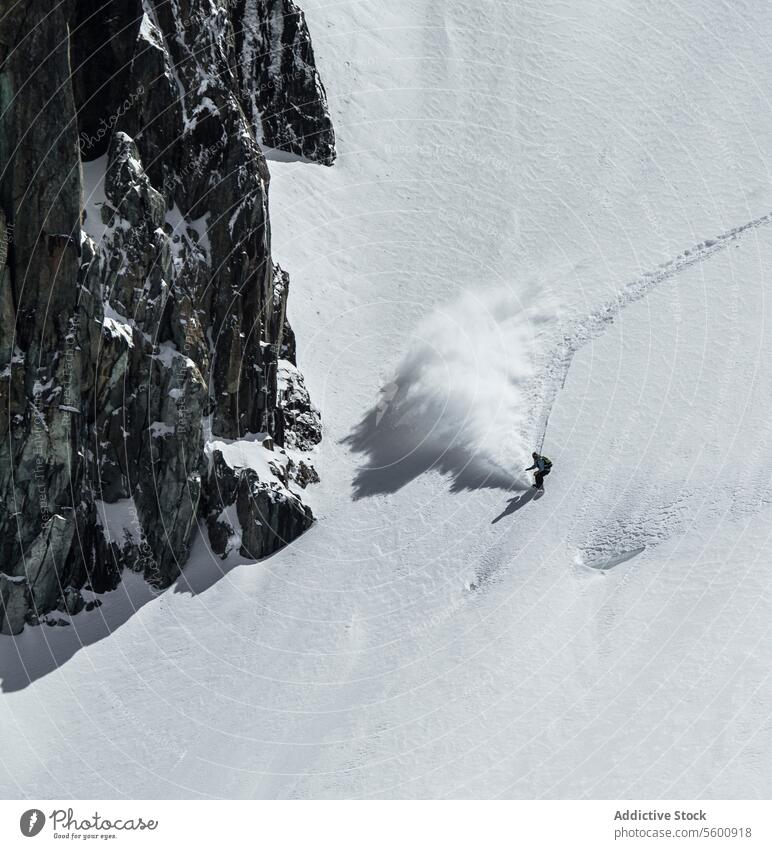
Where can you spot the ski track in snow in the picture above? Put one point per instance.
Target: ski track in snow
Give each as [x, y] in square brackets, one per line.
[597, 322]
[621, 540]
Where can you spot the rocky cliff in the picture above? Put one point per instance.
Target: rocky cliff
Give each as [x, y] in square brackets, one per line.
[148, 384]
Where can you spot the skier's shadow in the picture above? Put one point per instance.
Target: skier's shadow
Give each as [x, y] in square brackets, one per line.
[517, 502]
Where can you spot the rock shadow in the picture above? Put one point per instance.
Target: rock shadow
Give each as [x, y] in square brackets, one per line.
[41, 649]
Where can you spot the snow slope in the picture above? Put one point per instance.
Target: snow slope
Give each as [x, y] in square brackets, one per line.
[499, 254]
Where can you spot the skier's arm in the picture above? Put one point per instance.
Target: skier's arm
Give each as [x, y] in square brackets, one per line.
[531, 467]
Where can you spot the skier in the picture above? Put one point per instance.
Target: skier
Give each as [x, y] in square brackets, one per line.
[543, 465]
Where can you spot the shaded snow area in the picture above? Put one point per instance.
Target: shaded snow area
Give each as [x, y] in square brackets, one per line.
[547, 225]
[94, 198]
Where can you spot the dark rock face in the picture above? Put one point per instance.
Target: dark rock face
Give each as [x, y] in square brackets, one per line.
[102, 45]
[141, 314]
[256, 516]
[15, 604]
[279, 81]
[42, 447]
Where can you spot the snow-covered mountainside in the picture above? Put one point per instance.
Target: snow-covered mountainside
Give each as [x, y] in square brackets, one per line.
[547, 225]
[143, 317]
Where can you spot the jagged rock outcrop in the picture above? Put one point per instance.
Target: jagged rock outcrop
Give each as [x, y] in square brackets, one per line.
[142, 318]
[254, 513]
[289, 101]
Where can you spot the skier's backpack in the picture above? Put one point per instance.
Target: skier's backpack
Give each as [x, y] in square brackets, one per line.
[547, 463]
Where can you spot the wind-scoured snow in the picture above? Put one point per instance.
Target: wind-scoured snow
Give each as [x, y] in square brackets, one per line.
[498, 256]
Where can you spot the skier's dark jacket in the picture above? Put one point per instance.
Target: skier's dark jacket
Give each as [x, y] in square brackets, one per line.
[543, 464]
